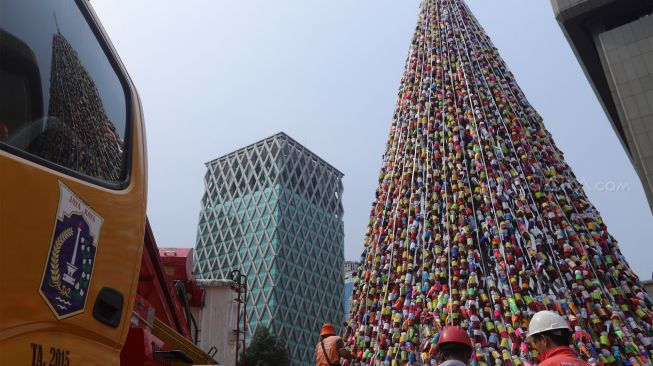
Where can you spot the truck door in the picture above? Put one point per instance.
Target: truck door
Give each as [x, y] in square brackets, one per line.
[72, 187]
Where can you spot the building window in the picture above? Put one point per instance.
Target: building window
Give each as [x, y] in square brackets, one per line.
[62, 99]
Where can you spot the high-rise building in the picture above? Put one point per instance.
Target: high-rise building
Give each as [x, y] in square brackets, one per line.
[648, 285]
[350, 267]
[350, 277]
[613, 41]
[273, 210]
[479, 222]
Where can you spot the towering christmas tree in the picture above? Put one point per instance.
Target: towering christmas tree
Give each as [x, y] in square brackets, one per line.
[479, 222]
[78, 133]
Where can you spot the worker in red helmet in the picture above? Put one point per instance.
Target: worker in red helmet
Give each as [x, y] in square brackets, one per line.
[550, 335]
[330, 348]
[455, 346]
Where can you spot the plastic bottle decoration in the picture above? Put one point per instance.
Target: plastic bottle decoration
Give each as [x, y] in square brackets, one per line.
[479, 222]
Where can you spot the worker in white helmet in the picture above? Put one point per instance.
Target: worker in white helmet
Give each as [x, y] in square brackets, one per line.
[550, 335]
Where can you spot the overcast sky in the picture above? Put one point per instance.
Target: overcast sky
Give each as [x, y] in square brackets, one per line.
[216, 75]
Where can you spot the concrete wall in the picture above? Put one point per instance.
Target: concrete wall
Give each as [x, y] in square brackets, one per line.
[217, 320]
[577, 5]
[627, 58]
[613, 41]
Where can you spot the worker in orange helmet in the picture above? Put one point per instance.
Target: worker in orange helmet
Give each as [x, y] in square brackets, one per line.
[330, 348]
[550, 335]
[455, 346]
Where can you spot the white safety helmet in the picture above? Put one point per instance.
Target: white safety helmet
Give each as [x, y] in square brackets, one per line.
[545, 321]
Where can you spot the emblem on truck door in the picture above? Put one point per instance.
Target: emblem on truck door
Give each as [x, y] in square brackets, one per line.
[71, 258]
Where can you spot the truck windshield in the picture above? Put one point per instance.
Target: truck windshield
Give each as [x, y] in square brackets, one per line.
[60, 97]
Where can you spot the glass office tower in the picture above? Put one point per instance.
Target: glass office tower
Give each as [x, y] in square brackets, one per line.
[273, 210]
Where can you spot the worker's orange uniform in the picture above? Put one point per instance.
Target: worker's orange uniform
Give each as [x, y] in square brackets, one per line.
[331, 346]
[560, 356]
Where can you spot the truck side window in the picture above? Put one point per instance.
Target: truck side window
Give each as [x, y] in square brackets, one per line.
[60, 97]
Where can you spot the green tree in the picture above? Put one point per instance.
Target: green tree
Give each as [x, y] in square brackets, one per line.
[266, 350]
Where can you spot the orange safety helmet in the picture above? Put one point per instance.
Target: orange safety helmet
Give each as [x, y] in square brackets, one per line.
[327, 329]
[454, 334]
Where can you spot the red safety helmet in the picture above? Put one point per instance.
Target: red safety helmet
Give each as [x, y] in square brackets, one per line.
[454, 334]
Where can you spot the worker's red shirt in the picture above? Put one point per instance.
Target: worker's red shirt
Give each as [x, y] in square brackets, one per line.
[560, 356]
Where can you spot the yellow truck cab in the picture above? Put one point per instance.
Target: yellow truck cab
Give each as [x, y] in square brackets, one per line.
[72, 187]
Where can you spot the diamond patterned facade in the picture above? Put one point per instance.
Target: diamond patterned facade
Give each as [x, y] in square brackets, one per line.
[479, 222]
[274, 211]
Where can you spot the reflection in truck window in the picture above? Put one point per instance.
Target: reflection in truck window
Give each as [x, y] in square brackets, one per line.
[55, 107]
